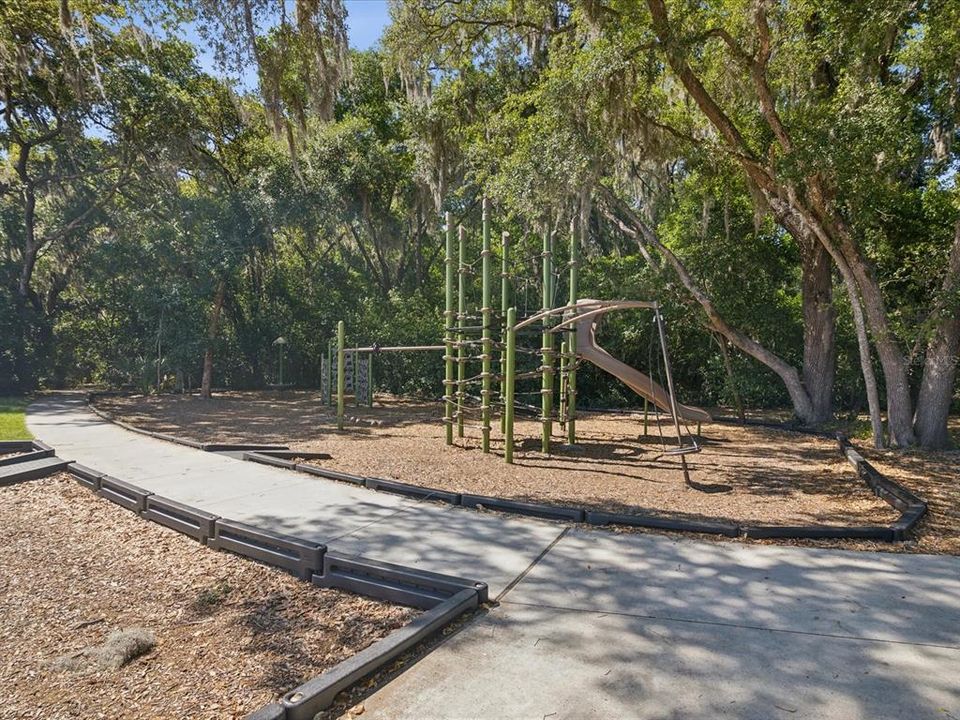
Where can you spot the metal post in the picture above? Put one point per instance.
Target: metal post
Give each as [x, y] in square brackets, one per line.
[646, 416]
[673, 397]
[510, 381]
[562, 410]
[461, 323]
[330, 372]
[448, 333]
[504, 304]
[486, 313]
[546, 389]
[370, 379]
[341, 372]
[572, 335]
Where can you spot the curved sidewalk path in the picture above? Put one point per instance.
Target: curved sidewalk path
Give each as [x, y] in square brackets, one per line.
[594, 624]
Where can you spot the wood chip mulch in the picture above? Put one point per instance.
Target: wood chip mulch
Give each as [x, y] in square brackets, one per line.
[777, 477]
[231, 634]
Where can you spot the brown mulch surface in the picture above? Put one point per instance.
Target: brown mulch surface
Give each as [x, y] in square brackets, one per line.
[231, 634]
[776, 477]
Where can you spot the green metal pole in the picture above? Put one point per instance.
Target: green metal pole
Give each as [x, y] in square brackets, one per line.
[572, 335]
[341, 371]
[646, 416]
[331, 380]
[448, 314]
[510, 381]
[562, 410]
[487, 313]
[546, 389]
[461, 323]
[504, 304]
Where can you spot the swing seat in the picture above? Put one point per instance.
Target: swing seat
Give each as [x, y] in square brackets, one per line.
[684, 450]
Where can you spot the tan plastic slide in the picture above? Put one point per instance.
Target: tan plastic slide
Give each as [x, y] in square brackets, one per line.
[642, 384]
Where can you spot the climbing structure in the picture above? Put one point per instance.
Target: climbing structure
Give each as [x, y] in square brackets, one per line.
[482, 336]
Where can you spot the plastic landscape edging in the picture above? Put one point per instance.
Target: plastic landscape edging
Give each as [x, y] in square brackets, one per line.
[190, 521]
[25, 457]
[393, 583]
[30, 470]
[317, 694]
[454, 595]
[301, 557]
[819, 532]
[416, 491]
[911, 507]
[550, 512]
[265, 459]
[330, 474]
[657, 522]
[87, 477]
[15, 446]
[123, 493]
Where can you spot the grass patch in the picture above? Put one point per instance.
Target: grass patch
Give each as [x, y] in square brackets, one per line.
[13, 425]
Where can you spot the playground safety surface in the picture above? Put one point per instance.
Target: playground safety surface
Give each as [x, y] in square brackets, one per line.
[777, 477]
[231, 634]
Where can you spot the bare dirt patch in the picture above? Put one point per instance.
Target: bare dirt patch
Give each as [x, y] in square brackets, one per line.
[231, 635]
[777, 477]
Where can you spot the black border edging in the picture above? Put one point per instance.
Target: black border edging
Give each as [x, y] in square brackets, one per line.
[450, 597]
[301, 557]
[550, 512]
[315, 695]
[198, 524]
[32, 469]
[416, 491]
[330, 474]
[710, 527]
[394, 583]
[123, 493]
[819, 532]
[88, 477]
[16, 446]
[265, 459]
[305, 454]
[912, 508]
[228, 447]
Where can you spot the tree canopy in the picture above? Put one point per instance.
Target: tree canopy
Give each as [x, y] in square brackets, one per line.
[782, 174]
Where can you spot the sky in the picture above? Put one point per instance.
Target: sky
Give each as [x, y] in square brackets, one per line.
[366, 20]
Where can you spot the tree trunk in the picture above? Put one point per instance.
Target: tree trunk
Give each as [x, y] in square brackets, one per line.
[937, 387]
[212, 330]
[819, 332]
[799, 397]
[940, 365]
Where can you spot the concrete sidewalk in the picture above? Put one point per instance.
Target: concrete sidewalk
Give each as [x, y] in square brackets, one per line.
[347, 519]
[597, 624]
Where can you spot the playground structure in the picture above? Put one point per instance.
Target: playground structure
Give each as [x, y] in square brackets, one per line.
[495, 338]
